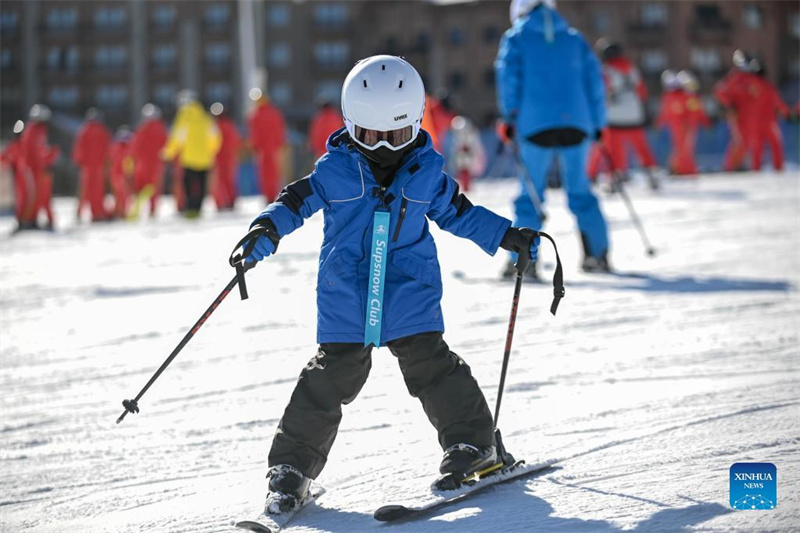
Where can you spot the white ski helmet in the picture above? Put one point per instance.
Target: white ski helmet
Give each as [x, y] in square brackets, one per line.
[383, 99]
[520, 8]
[688, 81]
[669, 80]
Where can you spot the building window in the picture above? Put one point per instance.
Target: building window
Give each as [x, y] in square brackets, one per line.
[330, 15]
[9, 20]
[280, 55]
[164, 94]
[62, 18]
[218, 92]
[279, 15]
[111, 96]
[654, 15]
[110, 18]
[456, 37]
[217, 15]
[280, 92]
[491, 34]
[218, 55]
[332, 54]
[423, 42]
[653, 61]
[63, 97]
[164, 56]
[72, 58]
[708, 16]
[52, 59]
[488, 78]
[164, 17]
[110, 57]
[6, 59]
[456, 80]
[705, 60]
[794, 25]
[330, 91]
[601, 22]
[753, 17]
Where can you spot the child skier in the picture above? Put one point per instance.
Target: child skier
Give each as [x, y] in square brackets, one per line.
[379, 282]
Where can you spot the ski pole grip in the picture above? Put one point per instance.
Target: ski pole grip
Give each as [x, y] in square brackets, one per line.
[237, 260]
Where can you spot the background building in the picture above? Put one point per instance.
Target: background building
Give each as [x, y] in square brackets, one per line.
[118, 55]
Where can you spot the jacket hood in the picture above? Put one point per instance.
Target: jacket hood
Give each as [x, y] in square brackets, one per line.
[340, 141]
[541, 18]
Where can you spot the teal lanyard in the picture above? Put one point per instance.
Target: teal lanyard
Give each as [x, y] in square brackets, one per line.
[377, 276]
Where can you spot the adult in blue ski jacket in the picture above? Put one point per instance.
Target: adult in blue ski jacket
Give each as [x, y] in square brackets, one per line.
[379, 282]
[551, 97]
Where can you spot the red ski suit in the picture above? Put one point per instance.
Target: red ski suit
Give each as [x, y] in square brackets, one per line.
[90, 153]
[224, 190]
[38, 157]
[148, 140]
[743, 94]
[325, 122]
[771, 105]
[24, 189]
[267, 136]
[622, 77]
[120, 150]
[682, 113]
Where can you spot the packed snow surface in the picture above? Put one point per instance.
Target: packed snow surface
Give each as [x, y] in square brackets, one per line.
[647, 386]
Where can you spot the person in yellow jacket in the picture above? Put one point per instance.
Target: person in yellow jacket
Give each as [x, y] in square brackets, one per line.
[194, 140]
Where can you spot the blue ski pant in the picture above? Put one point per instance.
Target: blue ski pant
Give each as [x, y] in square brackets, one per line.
[581, 200]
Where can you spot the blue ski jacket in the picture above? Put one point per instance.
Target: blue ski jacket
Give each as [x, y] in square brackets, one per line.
[548, 77]
[342, 185]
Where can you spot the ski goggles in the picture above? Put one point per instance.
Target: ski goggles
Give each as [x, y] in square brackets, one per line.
[394, 138]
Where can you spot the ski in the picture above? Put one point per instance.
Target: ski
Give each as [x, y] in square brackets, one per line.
[273, 523]
[438, 499]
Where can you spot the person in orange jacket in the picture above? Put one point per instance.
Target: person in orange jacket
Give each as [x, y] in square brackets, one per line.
[739, 93]
[90, 152]
[769, 132]
[148, 170]
[267, 131]
[39, 156]
[121, 170]
[327, 120]
[24, 191]
[682, 113]
[223, 188]
[437, 118]
[626, 95]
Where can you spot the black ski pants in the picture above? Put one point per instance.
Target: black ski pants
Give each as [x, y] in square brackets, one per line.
[194, 187]
[440, 379]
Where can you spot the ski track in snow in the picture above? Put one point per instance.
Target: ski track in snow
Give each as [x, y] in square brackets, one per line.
[647, 386]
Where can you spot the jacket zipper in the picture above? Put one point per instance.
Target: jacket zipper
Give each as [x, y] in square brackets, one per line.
[403, 207]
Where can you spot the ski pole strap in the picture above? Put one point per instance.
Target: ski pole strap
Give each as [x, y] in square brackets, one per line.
[558, 276]
[237, 260]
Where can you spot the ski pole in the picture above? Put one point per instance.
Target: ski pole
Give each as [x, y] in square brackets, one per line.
[523, 260]
[530, 188]
[237, 261]
[618, 183]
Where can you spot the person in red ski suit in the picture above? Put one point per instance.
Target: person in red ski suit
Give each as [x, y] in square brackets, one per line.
[90, 152]
[626, 95]
[682, 113]
[121, 166]
[148, 171]
[24, 191]
[739, 94]
[39, 156]
[437, 118]
[267, 131]
[769, 132]
[326, 121]
[223, 188]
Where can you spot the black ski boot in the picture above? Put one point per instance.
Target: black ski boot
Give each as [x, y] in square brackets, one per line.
[594, 265]
[288, 487]
[463, 460]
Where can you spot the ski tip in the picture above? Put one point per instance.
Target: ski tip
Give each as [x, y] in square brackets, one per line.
[389, 513]
[249, 525]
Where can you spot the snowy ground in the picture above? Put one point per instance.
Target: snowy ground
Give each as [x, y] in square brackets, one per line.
[648, 384]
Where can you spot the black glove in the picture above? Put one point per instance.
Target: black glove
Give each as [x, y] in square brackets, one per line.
[520, 241]
[598, 135]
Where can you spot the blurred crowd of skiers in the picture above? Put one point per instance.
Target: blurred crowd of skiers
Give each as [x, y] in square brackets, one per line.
[204, 146]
